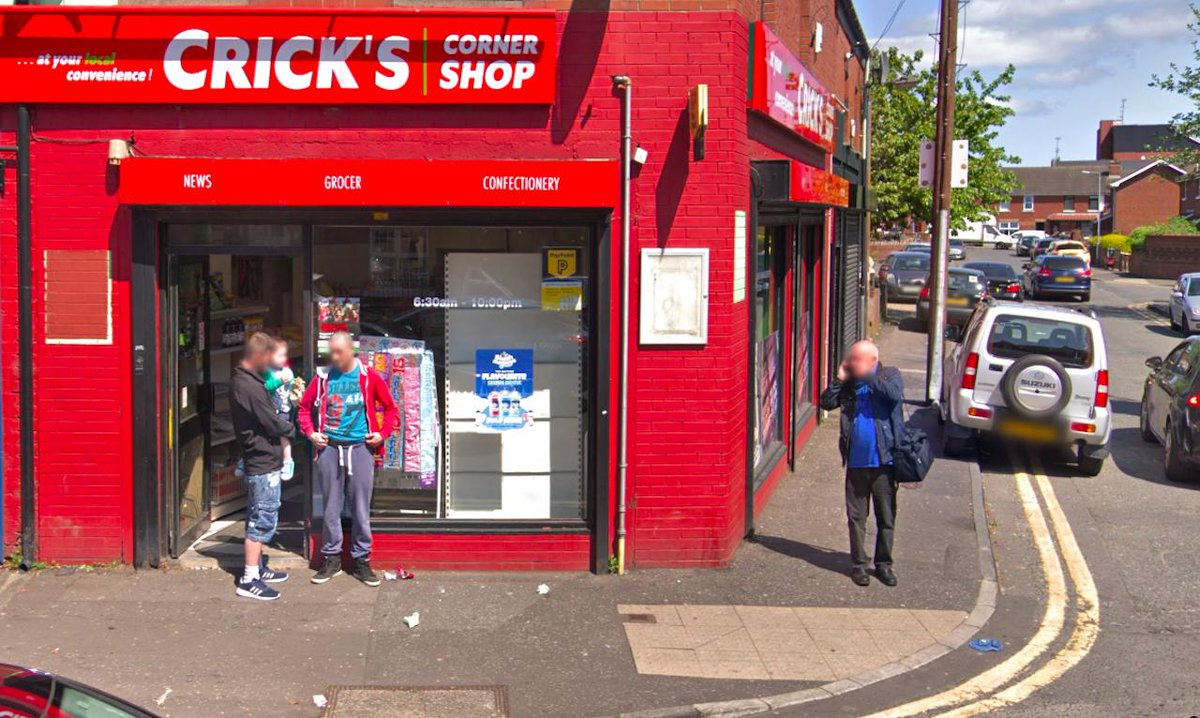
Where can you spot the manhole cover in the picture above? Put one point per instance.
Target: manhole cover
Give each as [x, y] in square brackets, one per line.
[416, 702]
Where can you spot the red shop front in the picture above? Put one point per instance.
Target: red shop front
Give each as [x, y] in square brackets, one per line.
[446, 185]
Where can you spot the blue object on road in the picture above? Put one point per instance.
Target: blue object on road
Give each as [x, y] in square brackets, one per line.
[986, 645]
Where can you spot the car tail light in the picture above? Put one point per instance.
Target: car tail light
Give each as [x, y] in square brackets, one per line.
[924, 292]
[1083, 428]
[1102, 389]
[1013, 288]
[970, 370]
[1086, 273]
[979, 413]
[1193, 400]
[1044, 272]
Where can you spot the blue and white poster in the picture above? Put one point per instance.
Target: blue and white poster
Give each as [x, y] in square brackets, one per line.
[503, 380]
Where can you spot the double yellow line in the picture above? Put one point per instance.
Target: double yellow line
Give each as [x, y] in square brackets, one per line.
[999, 686]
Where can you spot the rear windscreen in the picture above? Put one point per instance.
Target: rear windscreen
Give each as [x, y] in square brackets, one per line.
[969, 283]
[1064, 263]
[1013, 337]
[917, 262]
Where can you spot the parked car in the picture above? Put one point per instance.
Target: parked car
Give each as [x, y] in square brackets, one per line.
[1049, 275]
[1185, 303]
[1002, 279]
[957, 250]
[925, 247]
[964, 289]
[1041, 246]
[25, 692]
[1025, 239]
[1029, 373]
[1171, 409]
[906, 276]
[1071, 248]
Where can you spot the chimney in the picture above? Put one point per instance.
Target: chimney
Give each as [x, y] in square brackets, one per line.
[1104, 139]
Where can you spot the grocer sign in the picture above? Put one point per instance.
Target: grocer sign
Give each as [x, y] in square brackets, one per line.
[236, 55]
[783, 89]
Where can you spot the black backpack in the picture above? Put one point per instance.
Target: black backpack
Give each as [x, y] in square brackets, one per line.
[912, 456]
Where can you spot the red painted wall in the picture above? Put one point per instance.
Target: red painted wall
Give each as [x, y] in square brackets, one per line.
[688, 407]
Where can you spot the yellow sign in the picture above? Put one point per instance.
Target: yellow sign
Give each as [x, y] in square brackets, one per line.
[562, 296]
[560, 263]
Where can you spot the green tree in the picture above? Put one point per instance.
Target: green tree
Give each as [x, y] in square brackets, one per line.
[1185, 81]
[902, 115]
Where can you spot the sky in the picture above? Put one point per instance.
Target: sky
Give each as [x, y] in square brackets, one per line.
[1076, 60]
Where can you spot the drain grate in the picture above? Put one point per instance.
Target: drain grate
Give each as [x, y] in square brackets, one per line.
[416, 702]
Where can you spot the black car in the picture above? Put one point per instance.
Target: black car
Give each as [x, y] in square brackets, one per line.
[29, 692]
[1171, 409]
[1002, 279]
[964, 289]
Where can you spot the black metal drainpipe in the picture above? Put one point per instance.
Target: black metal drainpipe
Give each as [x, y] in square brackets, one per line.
[25, 335]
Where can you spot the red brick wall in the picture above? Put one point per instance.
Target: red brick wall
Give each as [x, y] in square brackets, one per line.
[1167, 257]
[1152, 197]
[688, 409]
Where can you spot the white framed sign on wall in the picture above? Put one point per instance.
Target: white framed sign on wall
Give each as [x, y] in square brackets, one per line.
[673, 301]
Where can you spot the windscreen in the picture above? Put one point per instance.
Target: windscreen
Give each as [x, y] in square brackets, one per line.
[1064, 263]
[964, 283]
[1194, 288]
[1014, 336]
[911, 263]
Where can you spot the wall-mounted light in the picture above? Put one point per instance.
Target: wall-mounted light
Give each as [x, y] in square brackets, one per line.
[117, 150]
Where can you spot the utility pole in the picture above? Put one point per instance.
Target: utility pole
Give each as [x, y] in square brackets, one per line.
[943, 151]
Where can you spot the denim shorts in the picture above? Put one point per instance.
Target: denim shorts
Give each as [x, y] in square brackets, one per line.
[262, 506]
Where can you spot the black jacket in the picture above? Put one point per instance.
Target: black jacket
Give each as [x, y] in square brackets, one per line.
[258, 428]
[887, 398]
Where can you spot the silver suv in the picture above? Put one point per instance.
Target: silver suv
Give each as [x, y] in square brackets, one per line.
[1029, 373]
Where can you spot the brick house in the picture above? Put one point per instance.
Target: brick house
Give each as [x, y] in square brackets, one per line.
[1149, 194]
[1059, 198]
[445, 184]
[1189, 196]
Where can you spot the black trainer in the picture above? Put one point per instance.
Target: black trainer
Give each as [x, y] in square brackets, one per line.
[362, 571]
[332, 568]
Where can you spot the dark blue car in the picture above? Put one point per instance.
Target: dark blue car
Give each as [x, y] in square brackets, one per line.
[1053, 276]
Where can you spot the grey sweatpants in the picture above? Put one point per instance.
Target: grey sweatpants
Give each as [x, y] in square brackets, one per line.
[346, 470]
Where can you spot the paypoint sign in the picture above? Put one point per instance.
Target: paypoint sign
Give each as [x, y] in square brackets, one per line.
[236, 56]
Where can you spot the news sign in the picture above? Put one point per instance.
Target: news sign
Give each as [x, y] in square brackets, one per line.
[257, 56]
[782, 88]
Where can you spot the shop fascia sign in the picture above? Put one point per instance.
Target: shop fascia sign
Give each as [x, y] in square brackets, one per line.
[284, 56]
[782, 88]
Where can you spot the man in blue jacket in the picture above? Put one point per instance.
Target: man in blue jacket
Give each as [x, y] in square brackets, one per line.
[871, 397]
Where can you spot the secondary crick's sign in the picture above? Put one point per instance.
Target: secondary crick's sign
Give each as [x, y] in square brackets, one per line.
[282, 56]
[782, 88]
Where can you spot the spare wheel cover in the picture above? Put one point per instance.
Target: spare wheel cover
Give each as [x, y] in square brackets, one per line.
[1036, 386]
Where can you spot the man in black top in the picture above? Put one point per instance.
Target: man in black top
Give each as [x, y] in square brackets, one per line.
[260, 431]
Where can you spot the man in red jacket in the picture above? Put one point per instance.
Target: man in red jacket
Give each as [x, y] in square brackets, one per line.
[346, 400]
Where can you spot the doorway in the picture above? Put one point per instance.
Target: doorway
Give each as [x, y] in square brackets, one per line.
[223, 283]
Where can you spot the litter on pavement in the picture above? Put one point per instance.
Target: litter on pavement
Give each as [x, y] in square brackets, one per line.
[986, 645]
[543, 589]
[412, 619]
[320, 701]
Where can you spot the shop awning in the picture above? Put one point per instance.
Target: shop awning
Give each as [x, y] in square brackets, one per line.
[314, 182]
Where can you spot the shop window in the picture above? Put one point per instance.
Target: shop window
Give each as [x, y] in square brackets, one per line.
[482, 334]
[768, 319]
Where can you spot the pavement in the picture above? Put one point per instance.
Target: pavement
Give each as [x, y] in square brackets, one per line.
[1087, 584]
[783, 625]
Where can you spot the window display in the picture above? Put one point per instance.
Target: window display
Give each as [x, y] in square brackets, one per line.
[768, 313]
[482, 334]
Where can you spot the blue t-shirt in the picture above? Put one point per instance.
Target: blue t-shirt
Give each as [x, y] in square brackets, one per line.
[345, 412]
[864, 445]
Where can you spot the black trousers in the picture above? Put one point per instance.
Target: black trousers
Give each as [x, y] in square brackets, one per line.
[863, 488]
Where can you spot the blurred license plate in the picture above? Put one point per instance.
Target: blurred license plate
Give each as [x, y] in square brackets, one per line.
[1027, 430]
[956, 301]
[1065, 280]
